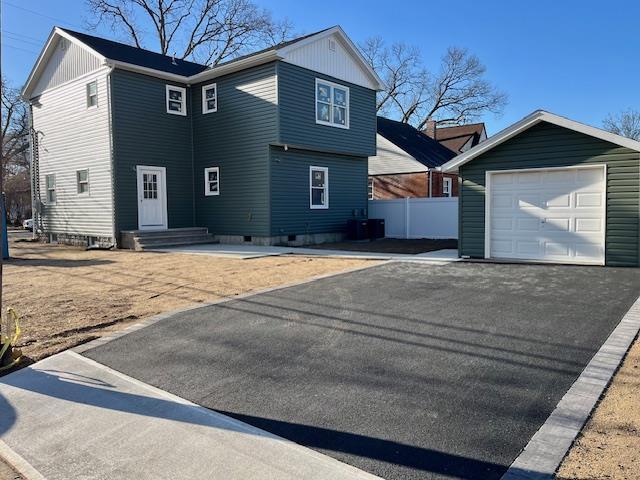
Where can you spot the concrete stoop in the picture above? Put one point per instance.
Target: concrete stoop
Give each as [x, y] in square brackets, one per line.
[153, 239]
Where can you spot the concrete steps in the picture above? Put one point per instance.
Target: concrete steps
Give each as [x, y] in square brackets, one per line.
[151, 239]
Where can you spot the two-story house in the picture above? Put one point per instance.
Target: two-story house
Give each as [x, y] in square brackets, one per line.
[268, 148]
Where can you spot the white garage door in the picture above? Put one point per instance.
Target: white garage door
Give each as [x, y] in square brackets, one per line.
[555, 215]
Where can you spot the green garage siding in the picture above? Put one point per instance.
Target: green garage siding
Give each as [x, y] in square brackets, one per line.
[548, 145]
[290, 212]
[145, 134]
[236, 139]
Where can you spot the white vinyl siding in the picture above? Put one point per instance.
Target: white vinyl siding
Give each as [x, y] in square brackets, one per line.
[176, 100]
[67, 63]
[209, 98]
[339, 63]
[82, 139]
[332, 104]
[212, 181]
[318, 187]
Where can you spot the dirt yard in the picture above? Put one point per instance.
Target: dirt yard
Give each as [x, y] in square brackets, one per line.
[66, 296]
[609, 445]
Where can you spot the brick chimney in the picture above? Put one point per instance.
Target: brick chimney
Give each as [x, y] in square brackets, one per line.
[430, 129]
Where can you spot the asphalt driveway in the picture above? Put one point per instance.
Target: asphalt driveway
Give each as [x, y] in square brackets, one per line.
[403, 370]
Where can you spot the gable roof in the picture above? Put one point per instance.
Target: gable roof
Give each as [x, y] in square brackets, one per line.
[137, 59]
[529, 121]
[424, 149]
[458, 136]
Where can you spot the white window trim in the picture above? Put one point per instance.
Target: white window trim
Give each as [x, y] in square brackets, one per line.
[47, 189]
[78, 182]
[207, 192]
[183, 112]
[348, 112]
[86, 89]
[204, 98]
[448, 181]
[326, 188]
[371, 182]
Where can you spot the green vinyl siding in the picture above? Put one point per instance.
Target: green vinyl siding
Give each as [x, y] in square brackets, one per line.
[297, 114]
[145, 134]
[290, 210]
[547, 145]
[236, 139]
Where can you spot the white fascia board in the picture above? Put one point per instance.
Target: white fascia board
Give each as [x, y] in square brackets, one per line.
[350, 46]
[528, 122]
[45, 54]
[238, 65]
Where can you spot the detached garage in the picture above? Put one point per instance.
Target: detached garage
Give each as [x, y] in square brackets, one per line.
[548, 189]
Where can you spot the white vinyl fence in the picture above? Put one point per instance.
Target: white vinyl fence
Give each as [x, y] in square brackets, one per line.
[417, 217]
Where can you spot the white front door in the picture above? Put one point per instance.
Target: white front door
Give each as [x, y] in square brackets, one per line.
[152, 198]
[556, 215]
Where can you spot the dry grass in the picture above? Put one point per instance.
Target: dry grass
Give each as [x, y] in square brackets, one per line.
[66, 296]
[609, 445]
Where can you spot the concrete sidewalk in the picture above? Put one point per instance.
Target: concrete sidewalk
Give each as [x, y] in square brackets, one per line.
[68, 417]
[257, 251]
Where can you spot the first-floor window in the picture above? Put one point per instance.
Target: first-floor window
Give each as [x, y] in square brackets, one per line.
[82, 180]
[446, 186]
[212, 181]
[370, 189]
[319, 187]
[51, 188]
[176, 100]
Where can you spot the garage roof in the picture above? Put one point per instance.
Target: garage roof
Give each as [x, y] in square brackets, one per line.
[528, 122]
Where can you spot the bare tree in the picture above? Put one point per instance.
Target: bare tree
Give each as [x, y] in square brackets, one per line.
[626, 124]
[205, 31]
[458, 93]
[14, 160]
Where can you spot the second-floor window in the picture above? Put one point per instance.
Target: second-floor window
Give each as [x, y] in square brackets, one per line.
[370, 189]
[176, 100]
[209, 98]
[332, 104]
[92, 94]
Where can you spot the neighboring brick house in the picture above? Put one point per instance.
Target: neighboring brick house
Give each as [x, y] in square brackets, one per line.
[459, 138]
[406, 164]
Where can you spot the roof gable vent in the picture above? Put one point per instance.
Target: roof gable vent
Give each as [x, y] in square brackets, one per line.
[64, 43]
[332, 45]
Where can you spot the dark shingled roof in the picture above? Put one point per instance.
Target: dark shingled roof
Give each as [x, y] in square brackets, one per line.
[146, 58]
[137, 56]
[456, 137]
[424, 149]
